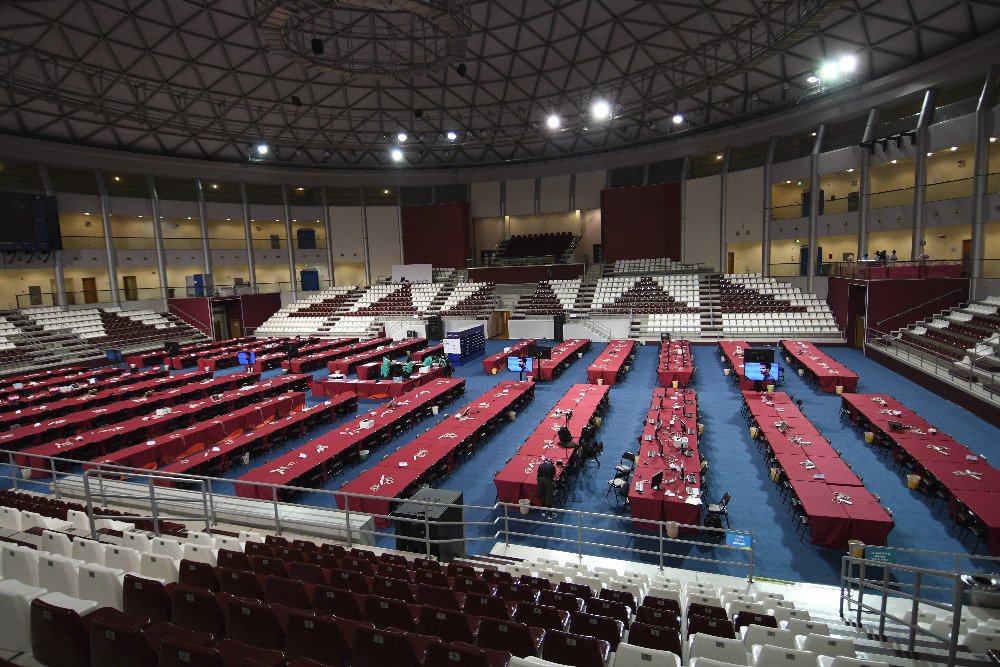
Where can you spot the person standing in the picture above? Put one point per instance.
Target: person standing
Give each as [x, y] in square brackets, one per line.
[892, 257]
[546, 486]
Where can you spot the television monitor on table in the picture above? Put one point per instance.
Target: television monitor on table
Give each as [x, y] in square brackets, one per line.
[514, 364]
[541, 352]
[762, 371]
[758, 355]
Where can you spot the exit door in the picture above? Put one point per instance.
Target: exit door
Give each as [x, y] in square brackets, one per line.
[131, 288]
[89, 290]
[310, 280]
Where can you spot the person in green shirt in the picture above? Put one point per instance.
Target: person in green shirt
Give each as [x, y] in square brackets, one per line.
[428, 361]
[408, 367]
[386, 367]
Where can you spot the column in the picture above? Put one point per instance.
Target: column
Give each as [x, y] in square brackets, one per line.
[399, 226]
[727, 161]
[109, 245]
[814, 196]
[765, 247]
[248, 235]
[287, 208]
[920, 173]
[865, 184]
[980, 196]
[364, 236]
[328, 227]
[59, 298]
[161, 260]
[205, 246]
[685, 165]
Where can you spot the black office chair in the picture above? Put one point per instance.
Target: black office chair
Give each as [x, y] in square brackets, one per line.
[720, 509]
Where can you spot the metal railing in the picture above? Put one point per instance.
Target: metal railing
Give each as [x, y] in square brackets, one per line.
[480, 524]
[942, 586]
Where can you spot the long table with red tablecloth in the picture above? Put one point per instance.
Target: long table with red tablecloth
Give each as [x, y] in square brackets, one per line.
[576, 411]
[563, 355]
[498, 362]
[417, 356]
[675, 364]
[346, 365]
[80, 421]
[611, 363]
[204, 432]
[188, 354]
[109, 390]
[311, 359]
[238, 450]
[838, 506]
[377, 388]
[971, 483]
[312, 463]
[668, 444]
[269, 352]
[43, 383]
[733, 350]
[8, 381]
[819, 367]
[142, 427]
[434, 452]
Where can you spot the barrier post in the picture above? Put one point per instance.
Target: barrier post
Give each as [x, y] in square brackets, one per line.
[861, 589]
[427, 531]
[277, 516]
[913, 611]
[752, 548]
[152, 506]
[211, 503]
[55, 479]
[659, 527]
[579, 536]
[506, 525]
[885, 601]
[956, 617]
[204, 503]
[347, 518]
[90, 506]
[13, 469]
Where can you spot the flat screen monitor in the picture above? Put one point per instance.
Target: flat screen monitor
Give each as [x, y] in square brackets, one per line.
[657, 480]
[541, 352]
[758, 355]
[514, 364]
[756, 371]
[171, 347]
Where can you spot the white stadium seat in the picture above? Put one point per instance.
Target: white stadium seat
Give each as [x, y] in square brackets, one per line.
[101, 584]
[58, 574]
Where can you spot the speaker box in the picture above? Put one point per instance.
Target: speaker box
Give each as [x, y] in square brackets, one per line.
[435, 328]
[172, 347]
[557, 327]
[437, 519]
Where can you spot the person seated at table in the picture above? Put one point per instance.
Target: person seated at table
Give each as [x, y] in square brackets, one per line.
[386, 368]
[408, 368]
[428, 360]
[546, 486]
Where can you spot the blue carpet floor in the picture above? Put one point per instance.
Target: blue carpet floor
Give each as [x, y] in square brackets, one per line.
[735, 466]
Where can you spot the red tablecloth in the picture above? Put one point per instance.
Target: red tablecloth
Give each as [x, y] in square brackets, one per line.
[41, 383]
[313, 461]
[675, 364]
[375, 388]
[518, 479]
[346, 365]
[816, 474]
[611, 361]
[937, 455]
[214, 461]
[228, 357]
[829, 374]
[34, 376]
[435, 451]
[189, 354]
[670, 430]
[310, 359]
[563, 355]
[732, 350]
[419, 355]
[497, 362]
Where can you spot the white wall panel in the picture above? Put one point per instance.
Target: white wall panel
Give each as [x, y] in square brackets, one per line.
[745, 205]
[131, 206]
[588, 189]
[383, 240]
[521, 197]
[485, 199]
[555, 194]
[74, 203]
[348, 243]
[701, 220]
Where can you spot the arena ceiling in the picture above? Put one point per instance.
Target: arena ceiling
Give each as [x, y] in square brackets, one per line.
[470, 82]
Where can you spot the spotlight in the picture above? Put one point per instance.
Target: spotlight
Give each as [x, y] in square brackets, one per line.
[678, 119]
[461, 69]
[601, 109]
[262, 149]
[929, 154]
[893, 161]
[396, 154]
[812, 78]
[385, 192]
[828, 71]
[848, 64]
[117, 179]
[851, 170]
[553, 122]
[215, 186]
[317, 46]
[718, 157]
[451, 135]
[993, 140]
[402, 137]
[954, 148]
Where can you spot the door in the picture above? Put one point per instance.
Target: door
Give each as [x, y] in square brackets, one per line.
[309, 279]
[730, 262]
[306, 239]
[803, 260]
[967, 257]
[235, 330]
[859, 331]
[275, 242]
[89, 290]
[131, 288]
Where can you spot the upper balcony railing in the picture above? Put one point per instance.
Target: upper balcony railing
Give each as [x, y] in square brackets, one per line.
[185, 243]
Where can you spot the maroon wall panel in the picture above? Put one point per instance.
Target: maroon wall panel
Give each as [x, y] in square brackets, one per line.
[510, 275]
[438, 234]
[836, 298]
[893, 304]
[257, 308]
[196, 311]
[641, 222]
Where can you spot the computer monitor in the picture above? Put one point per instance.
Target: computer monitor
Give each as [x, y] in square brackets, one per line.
[657, 480]
[541, 352]
[758, 355]
[514, 364]
[172, 347]
[755, 371]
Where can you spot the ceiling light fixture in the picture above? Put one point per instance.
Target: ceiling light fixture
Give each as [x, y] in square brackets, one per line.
[402, 137]
[118, 178]
[678, 119]
[452, 135]
[851, 170]
[893, 161]
[553, 122]
[812, 78]
[993, 140]
[396, 154]
[601, 110]
[954, 148]
[215, 186]
[848, 63]
[262, 149]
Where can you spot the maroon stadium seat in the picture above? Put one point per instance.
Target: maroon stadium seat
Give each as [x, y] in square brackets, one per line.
[316, 637]
[575, 650]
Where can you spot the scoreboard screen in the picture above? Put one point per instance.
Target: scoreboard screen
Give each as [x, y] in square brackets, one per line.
[29, 222]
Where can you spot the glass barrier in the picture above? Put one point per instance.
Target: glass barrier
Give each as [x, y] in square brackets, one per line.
[961, 187]
[787, 211]
[887, 198]
[185, 243]
[874, 270]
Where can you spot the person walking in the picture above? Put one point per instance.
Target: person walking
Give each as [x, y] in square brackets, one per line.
[546, 486]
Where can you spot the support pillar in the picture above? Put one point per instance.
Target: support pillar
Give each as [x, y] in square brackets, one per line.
[109, 245]
[205, 245]
[814, 197]
[248, 235]
[59, 298]
[161, 259]
[765, 247]
[980, 194]
[865, 185]
[364, 236]
[685, 166]
[727, 161]
[287, 208]
[328, 228]
[920, 174]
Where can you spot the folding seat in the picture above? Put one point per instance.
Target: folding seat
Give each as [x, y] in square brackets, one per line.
[435, 577]
[826, 645]
[707, 611]
[339, 602]
[197, 574]
[799, 627]
[660, 598]
[427, 564]
[516, 638]
[258, 548]
[20, 563]
[10, 520]
[446, 624]
[783, 614]
[461, 570]
[571, 649]
[610, 608]
[233, 559]
[253, 623]
[466, 584]
[89, 551]
[287, 592]
[198, 609]
[775, 656]
[841, 661]
[538, 583]
[146, 597]
[745, 618]
[628, 655]
[734, 608]
[487, 606]
[388, 570]
[658, 617]
[461, 655]
[56, 543]
[136, 541]
[601, 627]
[378, 648]
[123, 639]
[59, 574]
[308, 573]
[351, 581]
[322, 559]
[541, 616]
[199, 553]
[316, 637]
[730, 651]
[442, 598]
[509, 592]
[156, 566]
[386, 612]
[268, 565]
[392, 588]
[579, 590]
[649, 636]
[564, 601]
[122, 558]
[753, 635]
[226, 542]
[15, 610]
[101, 584]
[240, 583]
[59, 633]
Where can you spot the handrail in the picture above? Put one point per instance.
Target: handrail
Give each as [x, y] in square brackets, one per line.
[498, 517]
[920, 305]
